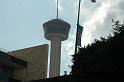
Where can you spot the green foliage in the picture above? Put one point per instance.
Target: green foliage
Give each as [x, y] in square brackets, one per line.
[103, 57]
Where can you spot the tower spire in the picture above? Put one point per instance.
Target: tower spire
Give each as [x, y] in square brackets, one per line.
[57, 9]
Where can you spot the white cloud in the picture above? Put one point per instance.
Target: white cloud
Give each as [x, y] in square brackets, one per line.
[67, 51]
[68, 48]
[97, 19]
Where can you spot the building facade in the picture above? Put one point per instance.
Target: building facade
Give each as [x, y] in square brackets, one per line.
[35, 60]
[8, 65]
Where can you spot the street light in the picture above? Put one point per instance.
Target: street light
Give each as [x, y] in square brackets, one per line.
[93, 1]
[79, 25]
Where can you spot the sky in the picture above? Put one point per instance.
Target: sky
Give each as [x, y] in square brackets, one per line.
[21, 23]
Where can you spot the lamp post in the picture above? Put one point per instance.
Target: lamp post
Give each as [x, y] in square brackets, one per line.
[78, 19]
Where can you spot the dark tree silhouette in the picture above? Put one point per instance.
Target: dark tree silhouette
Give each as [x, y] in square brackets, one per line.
[103, 59]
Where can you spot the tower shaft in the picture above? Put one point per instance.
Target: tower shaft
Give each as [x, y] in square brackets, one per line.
[55, 56]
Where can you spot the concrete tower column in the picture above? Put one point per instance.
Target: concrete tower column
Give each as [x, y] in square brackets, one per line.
[55, 56]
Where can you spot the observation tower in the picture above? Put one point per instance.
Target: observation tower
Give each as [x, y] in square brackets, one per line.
[56, 31]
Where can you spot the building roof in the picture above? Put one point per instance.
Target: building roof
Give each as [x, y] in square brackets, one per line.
[11, 61]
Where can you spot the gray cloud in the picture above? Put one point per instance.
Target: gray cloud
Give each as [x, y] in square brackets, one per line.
[97, 20]
[99, 23]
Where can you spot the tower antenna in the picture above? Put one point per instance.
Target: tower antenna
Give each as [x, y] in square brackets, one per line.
[57, 9]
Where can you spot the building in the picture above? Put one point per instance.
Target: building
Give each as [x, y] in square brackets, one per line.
[8, 65]
[24, 64]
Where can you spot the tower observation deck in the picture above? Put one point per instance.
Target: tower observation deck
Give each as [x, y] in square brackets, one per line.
[55, 30]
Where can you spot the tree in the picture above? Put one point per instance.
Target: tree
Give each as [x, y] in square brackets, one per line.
[103, 58]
